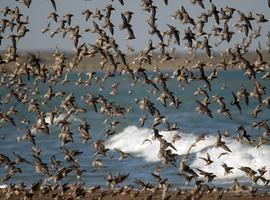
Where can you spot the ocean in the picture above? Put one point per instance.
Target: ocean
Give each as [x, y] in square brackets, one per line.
[129, 135]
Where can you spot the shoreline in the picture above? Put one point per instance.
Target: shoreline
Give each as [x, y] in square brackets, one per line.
[77, 192]
[91, 64]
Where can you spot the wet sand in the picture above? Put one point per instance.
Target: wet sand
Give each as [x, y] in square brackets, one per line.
[133, 194]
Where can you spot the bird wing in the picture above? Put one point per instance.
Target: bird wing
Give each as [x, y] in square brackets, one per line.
[54, 5]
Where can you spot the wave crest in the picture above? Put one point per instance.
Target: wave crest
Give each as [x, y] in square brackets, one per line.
[131, 140]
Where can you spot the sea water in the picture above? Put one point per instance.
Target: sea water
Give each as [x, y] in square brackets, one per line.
[130, 135]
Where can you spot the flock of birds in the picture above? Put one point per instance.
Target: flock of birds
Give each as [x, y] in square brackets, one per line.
[15, 26]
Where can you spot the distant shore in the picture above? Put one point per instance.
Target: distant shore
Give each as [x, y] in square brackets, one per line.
[90, 64]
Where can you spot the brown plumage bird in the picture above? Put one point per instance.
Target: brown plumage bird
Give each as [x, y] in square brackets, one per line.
[184, 168]
[220, 143]
[126, 25]
[122, 155]
[236, 102]
[203, 109]
[214, 12]
[99, 148]
[227, 169]
[199, 2]
[207, 47]
[27, 136]
[84, 131]
[112, 181]
[53, 4]
[207, 159]
[208, 175]
[173, 31]
[87, 13]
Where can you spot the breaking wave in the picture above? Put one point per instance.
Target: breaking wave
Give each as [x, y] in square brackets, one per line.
[131, 140]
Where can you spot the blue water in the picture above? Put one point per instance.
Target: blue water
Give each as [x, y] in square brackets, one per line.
[140, 165]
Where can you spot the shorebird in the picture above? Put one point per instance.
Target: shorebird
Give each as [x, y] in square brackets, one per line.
[261, 18]
[163, 143]
[122, 154]
[227, 169]
[112, 181]
[214, 12]
[97, 14]
[87, 14]
[54, 16]
[161, 181]
[66, 135]
[53, 4]
[203, 109]
[174, 32]
[201, 92]
[199, 2]
[126, 25]
[188, 178]
[100, 148]
[155, 30]
[84, 131]
[236, 102]
[207, 47]
[20, 159]
[67, 17]
[145, 186]
[97, 164]
[184, 168]
[7, 118]
[243, 94]
[220, 143]
[27, 136]
[207, 160]
[208, 175]
[70, 155]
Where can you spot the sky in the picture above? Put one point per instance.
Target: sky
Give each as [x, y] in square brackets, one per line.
[40, 9]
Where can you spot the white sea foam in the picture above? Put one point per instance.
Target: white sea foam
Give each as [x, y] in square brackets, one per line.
[58, 119]
[3, 186]
[131, 138]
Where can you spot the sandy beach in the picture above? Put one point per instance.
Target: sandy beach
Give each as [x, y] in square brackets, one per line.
[90, 64]
[124, 194]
